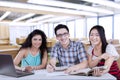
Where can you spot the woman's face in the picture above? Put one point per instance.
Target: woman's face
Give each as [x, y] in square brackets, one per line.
[94, 37]
[36, 41]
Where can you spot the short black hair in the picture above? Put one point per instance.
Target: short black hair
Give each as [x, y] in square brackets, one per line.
[59, 26]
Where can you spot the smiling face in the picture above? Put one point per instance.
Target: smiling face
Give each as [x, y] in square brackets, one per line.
[62, 36]
[94, 37]
[36, 41]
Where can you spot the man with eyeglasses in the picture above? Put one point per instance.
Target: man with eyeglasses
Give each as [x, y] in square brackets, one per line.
[67, 52]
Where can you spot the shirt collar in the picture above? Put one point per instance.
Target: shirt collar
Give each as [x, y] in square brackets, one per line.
[70, 44]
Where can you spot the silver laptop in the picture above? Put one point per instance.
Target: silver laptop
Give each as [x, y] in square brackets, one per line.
[7, 67]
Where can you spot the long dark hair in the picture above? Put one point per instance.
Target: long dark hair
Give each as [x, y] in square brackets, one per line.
[28, 41]
[101, 32]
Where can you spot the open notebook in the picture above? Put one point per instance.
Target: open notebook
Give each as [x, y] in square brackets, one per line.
[59, 71]
[87, 71]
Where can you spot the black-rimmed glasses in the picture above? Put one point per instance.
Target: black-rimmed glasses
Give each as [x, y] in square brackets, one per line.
[60, 35]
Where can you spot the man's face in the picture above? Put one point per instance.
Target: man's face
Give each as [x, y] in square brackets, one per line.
[62, 36]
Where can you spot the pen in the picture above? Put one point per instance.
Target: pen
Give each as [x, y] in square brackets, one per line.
[51, 65]
[26, 62]
[30, 67]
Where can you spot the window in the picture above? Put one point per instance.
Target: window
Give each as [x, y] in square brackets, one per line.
[51, 30]
[79, 28]
[71, 26]
[116, 26]
[106, 22]
[45, 29]
[90, 23]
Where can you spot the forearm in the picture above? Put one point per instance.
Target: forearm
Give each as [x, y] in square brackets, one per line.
[53, 61]
[82, 65]
[17, 61]
[51, 65]
[93, 63]
[79, 66]
[108, 63]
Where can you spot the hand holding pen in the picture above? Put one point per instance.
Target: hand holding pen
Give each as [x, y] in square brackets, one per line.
[50, 67]
[28, 68]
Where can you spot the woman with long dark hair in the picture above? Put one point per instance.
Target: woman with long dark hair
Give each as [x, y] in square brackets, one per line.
[33, 52]
[100, 53]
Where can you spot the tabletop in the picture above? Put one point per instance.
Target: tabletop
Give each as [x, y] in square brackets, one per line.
[44, 75]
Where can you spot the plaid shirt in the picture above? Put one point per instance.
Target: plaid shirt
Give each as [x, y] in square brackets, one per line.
[74, 54]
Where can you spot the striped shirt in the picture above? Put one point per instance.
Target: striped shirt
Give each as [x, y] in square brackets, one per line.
[74, 54]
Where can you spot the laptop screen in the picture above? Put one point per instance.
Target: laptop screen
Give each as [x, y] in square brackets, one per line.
[7, 67]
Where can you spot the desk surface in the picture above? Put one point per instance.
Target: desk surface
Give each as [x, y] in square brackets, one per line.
[44, 75]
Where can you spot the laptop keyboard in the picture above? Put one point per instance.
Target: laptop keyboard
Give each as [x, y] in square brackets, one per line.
[19, 72]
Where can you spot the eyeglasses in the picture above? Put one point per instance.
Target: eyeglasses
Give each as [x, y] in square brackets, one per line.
[60, 35]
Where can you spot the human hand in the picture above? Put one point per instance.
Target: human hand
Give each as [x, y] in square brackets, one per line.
[97, 72]
[50, 67]
[71, 69]
[28, 68]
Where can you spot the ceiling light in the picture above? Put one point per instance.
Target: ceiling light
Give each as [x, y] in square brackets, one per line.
[39, 18]
[5, 15]
[21, 24]
[57, 19]
[23, 17]
[70, 5]
[46, 9]
[105, 3]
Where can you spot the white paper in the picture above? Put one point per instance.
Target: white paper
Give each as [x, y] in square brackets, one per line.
[59, 73]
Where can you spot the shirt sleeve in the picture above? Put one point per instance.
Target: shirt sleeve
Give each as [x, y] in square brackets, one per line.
[53, 53]
[82, 53]
[110, 49]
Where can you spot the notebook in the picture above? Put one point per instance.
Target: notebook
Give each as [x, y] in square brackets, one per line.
[7, 67]
[88, 71]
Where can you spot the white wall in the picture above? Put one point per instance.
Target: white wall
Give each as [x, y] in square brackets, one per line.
[16, 32]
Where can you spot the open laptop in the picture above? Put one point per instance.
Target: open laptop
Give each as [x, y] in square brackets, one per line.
[7, 67]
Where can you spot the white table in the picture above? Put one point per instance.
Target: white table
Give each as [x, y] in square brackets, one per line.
[44, 75]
